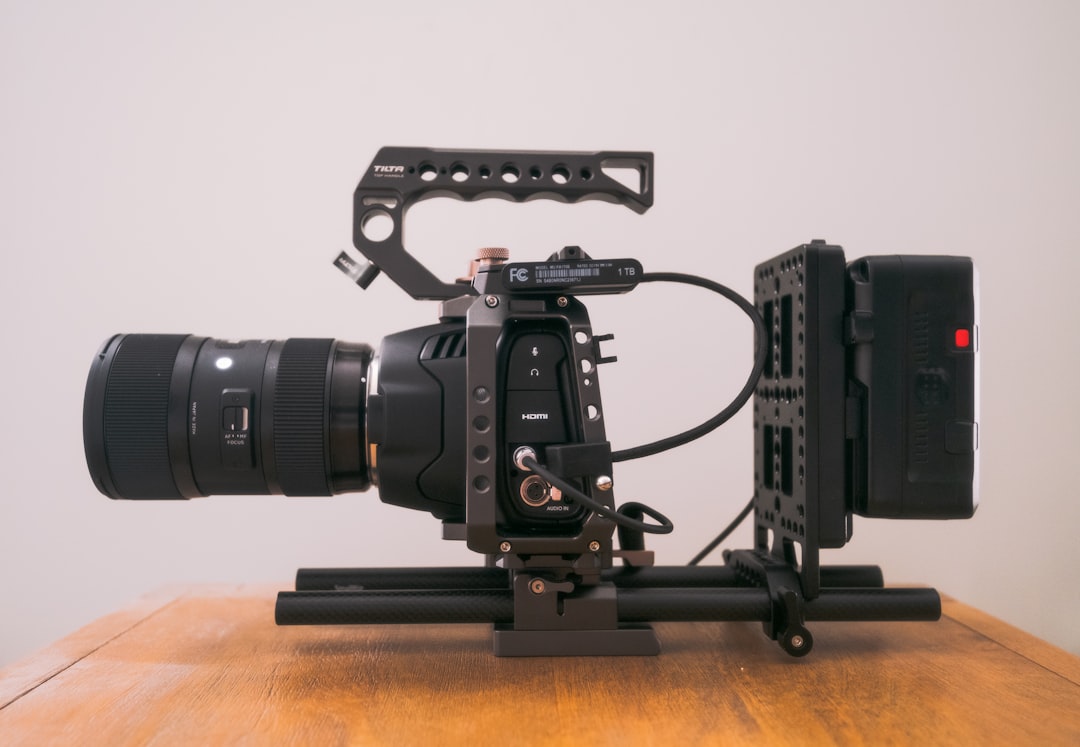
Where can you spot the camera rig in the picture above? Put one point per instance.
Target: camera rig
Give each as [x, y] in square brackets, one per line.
[858, 407]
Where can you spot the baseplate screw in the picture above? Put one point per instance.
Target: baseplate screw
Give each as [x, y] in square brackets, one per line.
[492, 301]
[561, 300]
[537, 586]
[504, 547]
[594, 546]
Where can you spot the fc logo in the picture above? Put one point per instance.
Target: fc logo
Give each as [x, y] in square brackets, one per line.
[519, 274]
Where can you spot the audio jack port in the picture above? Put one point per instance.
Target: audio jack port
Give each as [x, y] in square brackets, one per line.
[535, 491]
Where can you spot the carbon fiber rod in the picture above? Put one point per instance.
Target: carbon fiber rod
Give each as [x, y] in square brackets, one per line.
[417, 606]
[706, 576]
[660, 605]
[848, 576]
[634, 605]
[875, 605]
[330, 579]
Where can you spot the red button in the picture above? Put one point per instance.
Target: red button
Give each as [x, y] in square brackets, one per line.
[963, 338]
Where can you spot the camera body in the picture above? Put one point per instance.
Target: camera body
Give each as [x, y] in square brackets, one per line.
[516, 370]
[516, 360]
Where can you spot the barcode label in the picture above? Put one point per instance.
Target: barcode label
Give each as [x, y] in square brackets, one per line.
[580, 276]
[562, 272]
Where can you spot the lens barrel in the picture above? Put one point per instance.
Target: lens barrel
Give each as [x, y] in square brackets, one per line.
[180, 416]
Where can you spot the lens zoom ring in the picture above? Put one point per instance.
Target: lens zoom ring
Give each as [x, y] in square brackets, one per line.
[300, 417]
[136, 413]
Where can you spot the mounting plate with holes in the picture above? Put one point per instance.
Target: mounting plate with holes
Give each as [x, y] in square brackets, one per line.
[400, 177]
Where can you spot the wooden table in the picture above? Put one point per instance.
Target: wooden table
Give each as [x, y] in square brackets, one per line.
[208, 666]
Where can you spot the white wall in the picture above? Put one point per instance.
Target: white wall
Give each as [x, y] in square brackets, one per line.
[190, 168]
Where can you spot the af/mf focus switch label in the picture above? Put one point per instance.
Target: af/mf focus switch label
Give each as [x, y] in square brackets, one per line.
[237, 450]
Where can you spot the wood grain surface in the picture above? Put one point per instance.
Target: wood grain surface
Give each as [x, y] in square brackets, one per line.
[208, 666]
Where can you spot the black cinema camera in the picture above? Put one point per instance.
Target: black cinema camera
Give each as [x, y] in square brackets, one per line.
[864, 383]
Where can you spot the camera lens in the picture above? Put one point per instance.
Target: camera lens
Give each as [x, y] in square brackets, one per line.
[179, 416]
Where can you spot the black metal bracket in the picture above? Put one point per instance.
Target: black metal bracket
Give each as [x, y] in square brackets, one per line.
[553, 618]
[786, 600]
[400, 177]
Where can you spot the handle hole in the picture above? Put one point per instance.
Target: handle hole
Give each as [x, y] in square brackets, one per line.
[428, 171]
[510, 173]
[459, 172]
[377, 225]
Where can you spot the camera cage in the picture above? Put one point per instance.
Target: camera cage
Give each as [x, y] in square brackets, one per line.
[555, 594]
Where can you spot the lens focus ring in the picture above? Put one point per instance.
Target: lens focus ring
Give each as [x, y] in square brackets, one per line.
[300, 417]
[125, 425]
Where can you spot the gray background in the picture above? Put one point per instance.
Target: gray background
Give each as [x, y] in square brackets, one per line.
[189, 168]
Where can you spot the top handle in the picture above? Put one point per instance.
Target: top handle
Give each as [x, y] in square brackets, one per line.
[399, 177]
